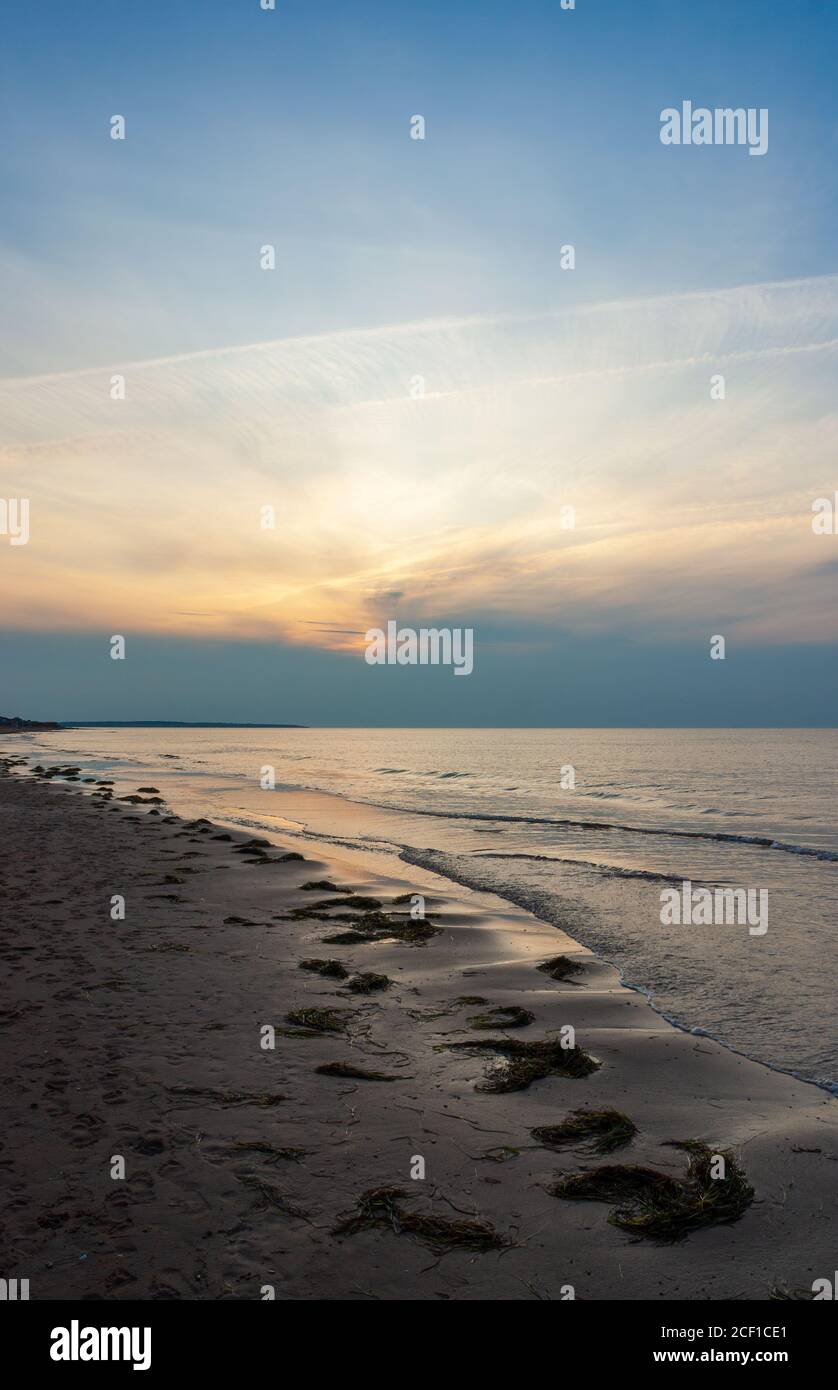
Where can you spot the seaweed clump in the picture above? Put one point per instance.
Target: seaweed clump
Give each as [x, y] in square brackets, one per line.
[263, 1099]
[347, 938]
[313, 1023]
[559, 967]
[652, 1205]
[348, 1069]
[505, 1016]
[378, 926]
[368, 982]
[365, 920]
[357, 904]
[334, 969]
[277, 859]
[380, 1207]
[521, 1063]
[600, 1130]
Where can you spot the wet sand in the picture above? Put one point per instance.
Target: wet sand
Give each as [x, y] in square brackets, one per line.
[141, 1039]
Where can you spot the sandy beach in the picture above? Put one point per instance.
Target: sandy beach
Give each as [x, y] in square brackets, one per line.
[146, 1038]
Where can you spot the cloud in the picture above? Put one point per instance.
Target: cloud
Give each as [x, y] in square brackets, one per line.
[559, 469]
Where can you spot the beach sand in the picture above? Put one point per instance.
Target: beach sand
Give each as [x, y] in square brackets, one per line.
[142, 1038]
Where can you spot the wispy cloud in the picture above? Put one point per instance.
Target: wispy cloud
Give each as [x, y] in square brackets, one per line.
[424, 470]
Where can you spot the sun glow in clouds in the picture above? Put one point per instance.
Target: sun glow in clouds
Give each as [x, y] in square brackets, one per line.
[446, 506]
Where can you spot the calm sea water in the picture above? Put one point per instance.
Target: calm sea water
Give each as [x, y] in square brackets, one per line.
[486, 808]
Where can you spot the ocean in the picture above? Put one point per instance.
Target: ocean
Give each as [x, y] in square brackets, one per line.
[584, 827]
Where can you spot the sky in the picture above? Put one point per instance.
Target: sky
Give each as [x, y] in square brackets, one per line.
[419, 414]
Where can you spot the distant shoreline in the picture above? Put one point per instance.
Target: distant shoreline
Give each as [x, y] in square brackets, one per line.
[169, 724]
[33, 726]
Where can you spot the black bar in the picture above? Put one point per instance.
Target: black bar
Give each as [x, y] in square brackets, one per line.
[239, 1339]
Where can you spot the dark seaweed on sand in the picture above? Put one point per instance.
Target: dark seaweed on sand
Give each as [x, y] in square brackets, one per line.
[378, 926]
[559, 967]
[368, 983]
[521, 1063]
[357, 904]
[505, 1016]
[334, 969]
[655, 1206]
[365, 919]
[277, 859]
[380, 1207]
[600, 1130]
[314, 1022]
[348, 1069]
[263, 1099]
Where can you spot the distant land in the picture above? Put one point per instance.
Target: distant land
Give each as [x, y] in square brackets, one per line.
[17, 725]
[164, 724]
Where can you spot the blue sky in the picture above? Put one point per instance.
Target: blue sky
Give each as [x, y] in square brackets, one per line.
[291, 128]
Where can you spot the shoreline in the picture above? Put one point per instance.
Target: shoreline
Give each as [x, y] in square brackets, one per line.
[830, 1087]
[304, 799]
[238, 976]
